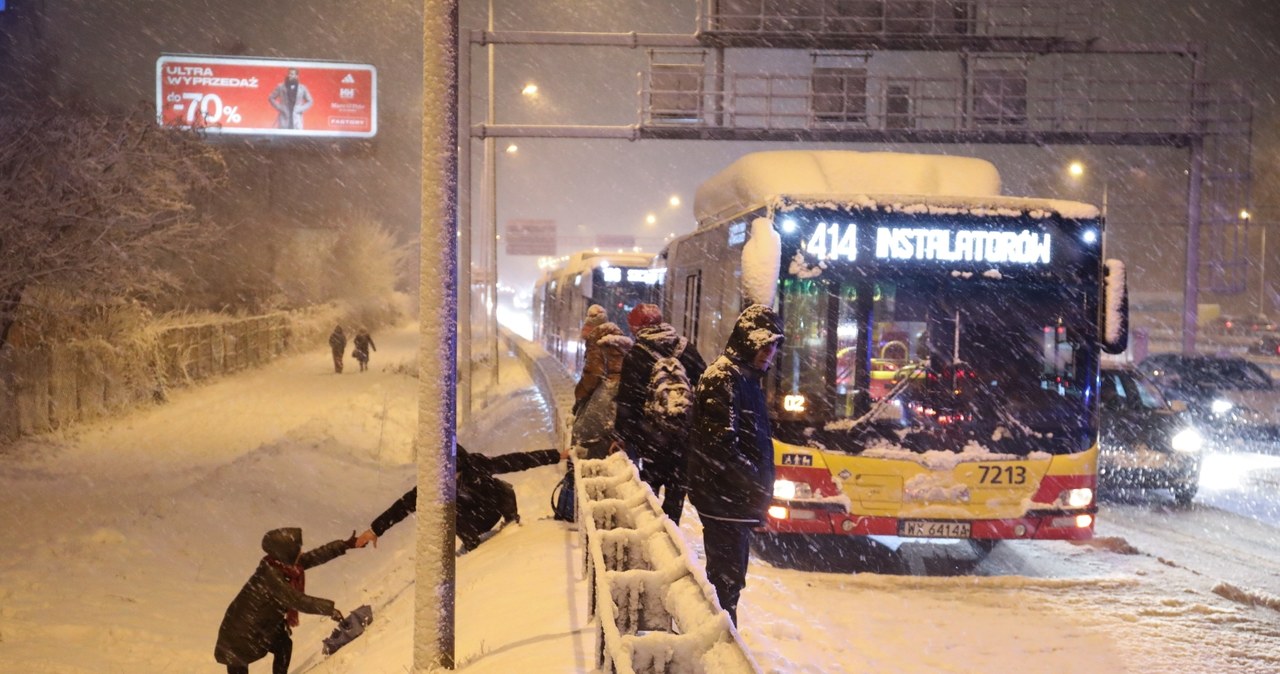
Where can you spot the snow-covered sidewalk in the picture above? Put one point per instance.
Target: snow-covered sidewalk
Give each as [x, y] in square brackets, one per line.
[125, 541]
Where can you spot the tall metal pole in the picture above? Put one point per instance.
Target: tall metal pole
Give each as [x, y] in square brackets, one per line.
[465, 329]
[491, 198]
[1191, 284]
[1191, 289]
[433, 626]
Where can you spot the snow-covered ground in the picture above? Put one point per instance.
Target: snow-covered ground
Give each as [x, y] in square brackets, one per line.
[125, 541]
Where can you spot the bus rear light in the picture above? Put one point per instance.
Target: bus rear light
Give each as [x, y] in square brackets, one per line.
[778, 512]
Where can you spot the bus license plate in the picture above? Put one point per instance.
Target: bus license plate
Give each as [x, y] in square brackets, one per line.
[927, 529]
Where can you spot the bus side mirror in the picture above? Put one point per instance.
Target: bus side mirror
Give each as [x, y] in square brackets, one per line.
[1113, 321]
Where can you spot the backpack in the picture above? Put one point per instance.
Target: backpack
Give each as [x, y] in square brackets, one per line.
[669, 400]
[562, 502]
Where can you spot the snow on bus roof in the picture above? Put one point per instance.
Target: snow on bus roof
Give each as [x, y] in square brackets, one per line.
[584, 260]
[963, 184]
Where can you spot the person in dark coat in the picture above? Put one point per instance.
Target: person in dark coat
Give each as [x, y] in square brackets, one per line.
[731, 458]
[482, 498]
[659, 455]
[262, 616]
[362, 343]
[338, 343]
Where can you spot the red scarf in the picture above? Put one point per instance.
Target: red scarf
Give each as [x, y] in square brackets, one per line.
[296, 576]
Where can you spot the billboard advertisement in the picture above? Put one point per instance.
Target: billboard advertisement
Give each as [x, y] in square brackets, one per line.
[267, 97]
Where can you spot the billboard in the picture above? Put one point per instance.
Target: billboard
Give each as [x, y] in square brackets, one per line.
[531, 237]
[267, 97]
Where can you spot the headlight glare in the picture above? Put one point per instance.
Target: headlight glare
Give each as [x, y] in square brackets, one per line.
[1187, 440]
[787, 490]
[1076, 498]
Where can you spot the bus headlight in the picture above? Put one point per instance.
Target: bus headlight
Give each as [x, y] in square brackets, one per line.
[1076, 498]
[788, 490]
[1187, 440]
[1221, 406]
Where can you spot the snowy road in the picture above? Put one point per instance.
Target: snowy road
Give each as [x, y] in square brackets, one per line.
[125, 541]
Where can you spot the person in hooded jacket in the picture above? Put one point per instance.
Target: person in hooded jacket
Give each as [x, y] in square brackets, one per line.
[596, 316]
[482, 499]
[338, 344]
[660, 455]
[262, 616]
[731, 458]
[596, 391]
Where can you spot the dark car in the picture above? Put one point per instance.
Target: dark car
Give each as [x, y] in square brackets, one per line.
[1228, 397]
[1145, 442]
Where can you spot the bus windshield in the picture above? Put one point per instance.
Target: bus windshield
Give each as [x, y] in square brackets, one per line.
[928, 366]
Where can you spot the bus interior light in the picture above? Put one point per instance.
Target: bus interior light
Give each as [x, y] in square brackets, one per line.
[1089, 235]
[789, 225]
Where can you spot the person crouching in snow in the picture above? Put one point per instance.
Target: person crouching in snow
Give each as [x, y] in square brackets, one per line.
[482, 498]
[262, 616]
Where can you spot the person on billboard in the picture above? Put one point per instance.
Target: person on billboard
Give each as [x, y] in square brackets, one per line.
[290, 98]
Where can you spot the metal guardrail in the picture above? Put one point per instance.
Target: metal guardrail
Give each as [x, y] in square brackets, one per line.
[655, 611]
[1065, 104]
[989, 18]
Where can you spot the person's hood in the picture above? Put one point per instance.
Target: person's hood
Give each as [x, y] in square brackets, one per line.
[283, 544]
[661, 338]
[758, 326]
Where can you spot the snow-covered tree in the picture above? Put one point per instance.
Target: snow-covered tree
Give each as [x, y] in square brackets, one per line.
[105, 205]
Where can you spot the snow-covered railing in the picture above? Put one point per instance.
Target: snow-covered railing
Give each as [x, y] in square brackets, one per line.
[551, 378]
[656, 611]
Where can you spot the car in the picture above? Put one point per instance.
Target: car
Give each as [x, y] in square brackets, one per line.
[1145, 442]
[1228, 397]
[1235, 325]
[1266, 344]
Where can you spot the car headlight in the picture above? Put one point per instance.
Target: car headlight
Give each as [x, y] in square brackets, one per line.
[1220, 406]
[1187, 440]
[787, 490]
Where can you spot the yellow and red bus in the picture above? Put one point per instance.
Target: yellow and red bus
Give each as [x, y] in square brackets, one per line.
[939, 377]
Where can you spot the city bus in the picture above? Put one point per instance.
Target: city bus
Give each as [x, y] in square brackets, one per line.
[939, 375]
[615, 281]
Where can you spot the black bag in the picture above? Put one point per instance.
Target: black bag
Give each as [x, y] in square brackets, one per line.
[562, 497]
[351, 627]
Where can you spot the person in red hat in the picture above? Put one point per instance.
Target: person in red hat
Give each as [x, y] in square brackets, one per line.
[655, 404]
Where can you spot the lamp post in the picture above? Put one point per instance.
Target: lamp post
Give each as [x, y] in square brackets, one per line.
[1246, 217]
[1076, 170]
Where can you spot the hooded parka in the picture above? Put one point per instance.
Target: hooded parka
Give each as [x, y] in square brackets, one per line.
[731, 457]
[257, 614]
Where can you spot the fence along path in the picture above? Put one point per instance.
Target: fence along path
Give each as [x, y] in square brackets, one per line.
[656, 612]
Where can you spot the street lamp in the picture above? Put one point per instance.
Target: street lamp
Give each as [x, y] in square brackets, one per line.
[1076, 170]
[530, 90]
[674, 200]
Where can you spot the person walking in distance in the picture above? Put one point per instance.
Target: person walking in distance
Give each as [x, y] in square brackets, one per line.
[338, 344]
[363, 343]
[731, 457]
[655, 404]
